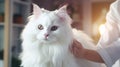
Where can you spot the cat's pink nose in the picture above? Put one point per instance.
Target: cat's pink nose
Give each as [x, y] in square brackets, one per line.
[46, 35]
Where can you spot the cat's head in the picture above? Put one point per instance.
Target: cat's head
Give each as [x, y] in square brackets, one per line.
[48, 26]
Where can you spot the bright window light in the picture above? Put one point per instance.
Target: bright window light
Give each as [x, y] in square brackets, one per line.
[102, 29]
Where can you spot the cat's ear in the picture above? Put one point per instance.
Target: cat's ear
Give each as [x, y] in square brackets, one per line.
[61, 12]
[63, 9]
[36, 10]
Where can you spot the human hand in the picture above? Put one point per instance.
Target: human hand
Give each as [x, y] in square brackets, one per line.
[77, 49]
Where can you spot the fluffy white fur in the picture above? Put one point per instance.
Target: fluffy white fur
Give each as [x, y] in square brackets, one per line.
[53, 51]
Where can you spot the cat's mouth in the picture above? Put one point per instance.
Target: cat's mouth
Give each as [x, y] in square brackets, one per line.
[49, 40]
[46, 39]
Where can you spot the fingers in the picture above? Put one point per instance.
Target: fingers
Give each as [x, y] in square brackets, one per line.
[76, 52]
[76, 48]
[74, 45]
[77, 44]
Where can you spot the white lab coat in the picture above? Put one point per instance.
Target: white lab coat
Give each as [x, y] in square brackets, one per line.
[109, 43]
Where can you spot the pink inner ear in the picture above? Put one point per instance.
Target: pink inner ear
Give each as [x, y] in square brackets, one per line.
[36, 10]
[62, 18]
[61, 12]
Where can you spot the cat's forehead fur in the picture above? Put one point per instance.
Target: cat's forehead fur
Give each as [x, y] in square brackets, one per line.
[48, 18]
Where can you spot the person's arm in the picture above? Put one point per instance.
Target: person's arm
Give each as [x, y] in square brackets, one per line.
[87, 54]
[108, 45]
[109, 52]
[108, 55]
[92, 55]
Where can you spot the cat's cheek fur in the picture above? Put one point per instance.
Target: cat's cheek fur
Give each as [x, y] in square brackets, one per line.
[39, 37]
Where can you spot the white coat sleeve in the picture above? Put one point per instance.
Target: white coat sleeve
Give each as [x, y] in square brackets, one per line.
[109, 43]
[111, 53]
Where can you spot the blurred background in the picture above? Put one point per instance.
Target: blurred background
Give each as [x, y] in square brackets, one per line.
[87, 15]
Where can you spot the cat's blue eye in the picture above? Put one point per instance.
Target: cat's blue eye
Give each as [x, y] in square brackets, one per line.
[53, 28]
[40, 27]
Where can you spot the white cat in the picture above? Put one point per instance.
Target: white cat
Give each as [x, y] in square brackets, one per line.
[47, 37]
